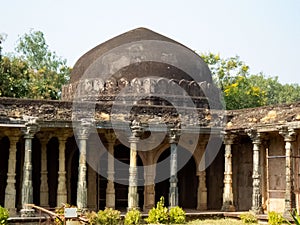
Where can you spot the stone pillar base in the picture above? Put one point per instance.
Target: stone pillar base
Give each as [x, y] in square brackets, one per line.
[110, 199]
[256, 210]
[133, 198]
[27, 213]
[228, 207]
[12, 211]
[202, 207]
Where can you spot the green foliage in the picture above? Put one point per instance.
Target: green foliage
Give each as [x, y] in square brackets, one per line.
[295, 217]
[133, 217]
[3, 215]
[275, 218]
[108, 216]
[177, 215]
[248, 218]
[14, 77]
[158, 215]
[33, 71]
[241, 89]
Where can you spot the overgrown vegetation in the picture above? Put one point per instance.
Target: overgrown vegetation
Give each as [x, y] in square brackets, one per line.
[108, 216]
[3, 215]
[133, 217]
[275, 218]
[248, 218]
[295, 217]
[159, 214]
[176, 215]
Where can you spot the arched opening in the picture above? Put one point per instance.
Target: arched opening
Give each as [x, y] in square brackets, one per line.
[162, 187]
[214, 182]
[188, 184]
[36, 170]
[242, 168]
[4, 143]
[52, 167]
[102, 182]
[72, 163]
[122, 154]
[19, 171]
[187, 179]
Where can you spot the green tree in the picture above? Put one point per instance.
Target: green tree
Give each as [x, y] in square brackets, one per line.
[14, 77]
[231, 76]
[33, 71]
[244, 90]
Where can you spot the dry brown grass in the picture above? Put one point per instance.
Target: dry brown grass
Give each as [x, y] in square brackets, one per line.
[217, 222]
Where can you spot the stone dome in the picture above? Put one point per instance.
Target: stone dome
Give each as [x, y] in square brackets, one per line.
[143, 60]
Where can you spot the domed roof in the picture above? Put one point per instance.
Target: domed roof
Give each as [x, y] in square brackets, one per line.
[139, 53]
[141, 64]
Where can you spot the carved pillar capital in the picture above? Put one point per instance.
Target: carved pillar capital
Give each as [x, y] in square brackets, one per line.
[137, 130]
[228, 138]
[31, 128]
[289, 134]
[256, 137]
[174, 133]
[82, 131]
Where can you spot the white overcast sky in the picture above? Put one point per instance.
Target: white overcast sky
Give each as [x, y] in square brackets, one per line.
[264, 33]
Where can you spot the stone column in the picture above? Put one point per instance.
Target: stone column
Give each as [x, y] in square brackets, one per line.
[10, 190]
[202, 191]
[228, 193]
[289, 137]
[173, 190]
[27, 189]
[62, 186]
[44, 189]
[110, 188]
[82, 136]
[256, 176]
[149, 186]
[133, 197]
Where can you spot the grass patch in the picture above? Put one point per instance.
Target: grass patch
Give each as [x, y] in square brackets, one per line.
[217, 222]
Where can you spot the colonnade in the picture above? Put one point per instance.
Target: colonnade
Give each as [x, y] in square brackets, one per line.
[258, 140]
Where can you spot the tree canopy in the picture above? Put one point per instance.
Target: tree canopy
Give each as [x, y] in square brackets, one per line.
[241, 89]
[33, 70]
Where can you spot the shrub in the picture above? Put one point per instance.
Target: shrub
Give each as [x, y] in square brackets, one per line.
[92, 217]
[108, 216]
[275, 218]
[248, 218]
[295, 217]
[158, 215]
[177, 215]
[3, 215]
[133, 217]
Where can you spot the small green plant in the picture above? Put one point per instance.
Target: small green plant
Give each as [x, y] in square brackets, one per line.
[248, 218]
[3, 215]
[295, 217]
[158, 215]
[177, 215]
[133, 217]
[275, 218]
[108, 216]
[92, 217]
